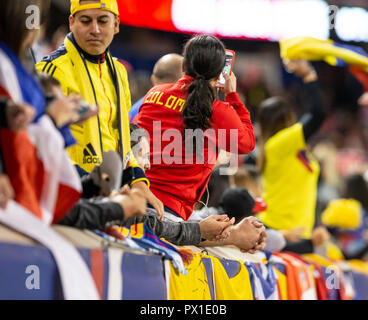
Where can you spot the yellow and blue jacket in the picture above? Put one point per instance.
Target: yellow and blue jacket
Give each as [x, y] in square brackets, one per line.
[103, 81]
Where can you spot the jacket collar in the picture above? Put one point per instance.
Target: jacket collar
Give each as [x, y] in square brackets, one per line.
[86, 55]
[186, 78]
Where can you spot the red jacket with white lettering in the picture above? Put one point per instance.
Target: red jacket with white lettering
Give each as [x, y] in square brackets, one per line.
[177, 177]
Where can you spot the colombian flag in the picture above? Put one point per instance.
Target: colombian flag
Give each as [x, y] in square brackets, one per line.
[335, 54]
[332, 52]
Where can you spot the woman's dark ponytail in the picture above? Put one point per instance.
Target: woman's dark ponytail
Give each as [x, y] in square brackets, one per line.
[198, 106]
[204, 60]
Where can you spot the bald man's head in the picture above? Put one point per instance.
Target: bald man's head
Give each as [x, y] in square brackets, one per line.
[167, 69]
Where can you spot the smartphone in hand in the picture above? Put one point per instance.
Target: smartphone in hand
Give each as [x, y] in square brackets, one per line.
[84, 107]
[230, 57]
[85, 112]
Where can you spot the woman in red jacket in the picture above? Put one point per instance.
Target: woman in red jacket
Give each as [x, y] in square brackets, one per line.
[170, 113]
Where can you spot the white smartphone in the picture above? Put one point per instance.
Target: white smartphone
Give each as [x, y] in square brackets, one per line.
[230, 57]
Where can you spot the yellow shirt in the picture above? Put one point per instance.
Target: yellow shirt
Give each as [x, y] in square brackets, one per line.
[235, 288]
[290, 182]
[193, 286]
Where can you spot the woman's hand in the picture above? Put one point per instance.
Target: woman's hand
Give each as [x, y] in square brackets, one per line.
[216, 227]
[301, 68]
[230, 83]
[151, 198]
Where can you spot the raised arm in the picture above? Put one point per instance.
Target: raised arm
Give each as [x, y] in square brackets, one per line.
[313, 119]
[232, 116]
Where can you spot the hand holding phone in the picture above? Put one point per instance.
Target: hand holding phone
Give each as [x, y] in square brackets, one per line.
[86, 111]
[230, 57]
[230, 83]
[84, 108]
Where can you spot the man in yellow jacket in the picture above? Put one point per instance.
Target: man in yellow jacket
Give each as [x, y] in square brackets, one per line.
[84, 65]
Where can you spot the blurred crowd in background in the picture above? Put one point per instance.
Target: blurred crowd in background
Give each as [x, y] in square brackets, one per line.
[340, 146]
[296, 122]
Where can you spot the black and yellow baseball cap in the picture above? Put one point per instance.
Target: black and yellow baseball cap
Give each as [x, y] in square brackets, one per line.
[108, 5]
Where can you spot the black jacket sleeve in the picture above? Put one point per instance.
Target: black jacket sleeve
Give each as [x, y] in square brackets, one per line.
[301, 247]
[93, 214]
[178, 233]
[313, 120]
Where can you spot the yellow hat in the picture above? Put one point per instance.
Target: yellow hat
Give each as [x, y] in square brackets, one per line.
[343, 213]
[108, 5]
